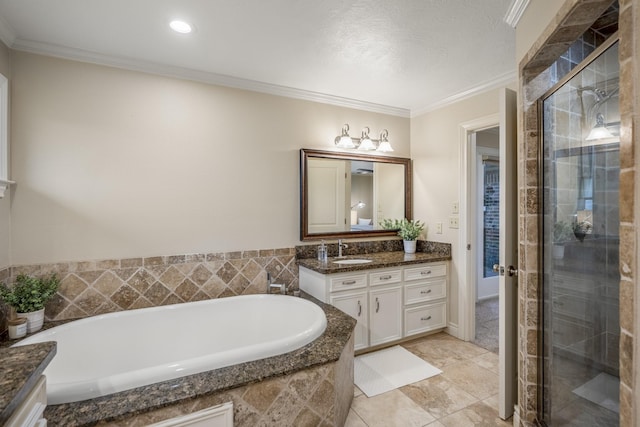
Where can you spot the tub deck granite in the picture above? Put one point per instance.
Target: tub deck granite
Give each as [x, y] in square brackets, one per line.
[20, 369]
[123, 405]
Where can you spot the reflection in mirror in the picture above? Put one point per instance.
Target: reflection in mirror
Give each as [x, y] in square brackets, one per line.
[347, 195]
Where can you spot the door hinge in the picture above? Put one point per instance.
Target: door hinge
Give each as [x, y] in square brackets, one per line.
[468, 246]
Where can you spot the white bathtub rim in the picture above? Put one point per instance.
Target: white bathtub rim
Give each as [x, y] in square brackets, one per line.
[75, 391]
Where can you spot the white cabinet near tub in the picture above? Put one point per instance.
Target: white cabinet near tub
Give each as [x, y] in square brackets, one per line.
[355, 304]
[389, 304]
[30, 413]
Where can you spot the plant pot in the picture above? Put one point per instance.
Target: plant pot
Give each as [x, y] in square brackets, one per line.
[557, 251]
[35, 319]
[409, 246]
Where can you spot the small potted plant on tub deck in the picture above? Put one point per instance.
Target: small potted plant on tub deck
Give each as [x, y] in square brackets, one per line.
[28, 295]
[409, 230]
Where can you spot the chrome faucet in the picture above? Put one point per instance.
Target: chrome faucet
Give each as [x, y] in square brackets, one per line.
[281, 286]
[340, 247]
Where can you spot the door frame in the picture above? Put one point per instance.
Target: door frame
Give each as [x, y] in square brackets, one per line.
[467, 257]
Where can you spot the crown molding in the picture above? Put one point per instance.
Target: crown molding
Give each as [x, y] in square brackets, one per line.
[515, 12]
[203, 77]
[7, 33]
[499, 81]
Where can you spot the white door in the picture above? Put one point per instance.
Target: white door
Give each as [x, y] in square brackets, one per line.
[327, 180]
[508, 292]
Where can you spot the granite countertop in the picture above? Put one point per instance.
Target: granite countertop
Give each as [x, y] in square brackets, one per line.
[20, 369]
[327, 348]
[378, 260]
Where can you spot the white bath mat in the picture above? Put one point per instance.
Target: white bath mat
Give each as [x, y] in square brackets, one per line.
[603, 390]
[384, 370]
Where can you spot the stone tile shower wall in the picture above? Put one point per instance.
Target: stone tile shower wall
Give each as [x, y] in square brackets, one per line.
[536, 77]
[88, 288]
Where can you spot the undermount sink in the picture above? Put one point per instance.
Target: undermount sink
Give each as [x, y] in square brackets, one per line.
[352, 261]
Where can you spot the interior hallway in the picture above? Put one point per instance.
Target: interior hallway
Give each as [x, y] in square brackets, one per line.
[465, 394]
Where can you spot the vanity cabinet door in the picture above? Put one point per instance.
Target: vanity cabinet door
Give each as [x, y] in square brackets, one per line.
[385, 308]
[355, 305]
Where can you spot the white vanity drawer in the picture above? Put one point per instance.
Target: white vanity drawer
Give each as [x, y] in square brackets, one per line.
[351, 281]
[425, 272]
[385, 277]
[425, 291]
[425, 318]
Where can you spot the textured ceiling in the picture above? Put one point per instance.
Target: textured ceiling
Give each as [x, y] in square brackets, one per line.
[408, 55]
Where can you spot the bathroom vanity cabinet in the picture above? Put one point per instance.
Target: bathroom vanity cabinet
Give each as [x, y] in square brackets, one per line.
[30, 413]
[389, 304]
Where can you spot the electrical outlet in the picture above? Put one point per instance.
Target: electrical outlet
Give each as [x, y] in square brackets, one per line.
[453, 222]
[455, 208]
[438, 228]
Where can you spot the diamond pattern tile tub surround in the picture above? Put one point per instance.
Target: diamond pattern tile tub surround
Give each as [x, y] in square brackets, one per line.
[88, 288]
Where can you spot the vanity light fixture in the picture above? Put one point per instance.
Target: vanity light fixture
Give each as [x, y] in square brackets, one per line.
[344, 140]
[364, 143]
[181, 27]
[599, 131]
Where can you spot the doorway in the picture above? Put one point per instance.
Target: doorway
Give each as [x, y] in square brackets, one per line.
[487, 232]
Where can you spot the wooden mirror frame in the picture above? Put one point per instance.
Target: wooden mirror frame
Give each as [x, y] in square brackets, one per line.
[304, 193]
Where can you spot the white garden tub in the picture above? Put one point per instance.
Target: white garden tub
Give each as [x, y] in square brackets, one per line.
[114, 352]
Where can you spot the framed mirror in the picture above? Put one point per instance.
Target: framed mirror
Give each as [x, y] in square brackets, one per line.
[348, 194]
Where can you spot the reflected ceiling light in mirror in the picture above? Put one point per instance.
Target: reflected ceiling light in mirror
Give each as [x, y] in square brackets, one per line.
[181, 27]
[344, 140]
[365, 143]
[599, 131]
[359, 205]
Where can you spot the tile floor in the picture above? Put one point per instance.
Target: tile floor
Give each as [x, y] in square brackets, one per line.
[487, 324]
[465, 394]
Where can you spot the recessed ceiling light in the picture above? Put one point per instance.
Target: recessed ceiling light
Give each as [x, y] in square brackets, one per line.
[180, 27]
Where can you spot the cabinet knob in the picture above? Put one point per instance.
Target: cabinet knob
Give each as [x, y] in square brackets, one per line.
[425, 318]
[348, 282]
[425, 273]
[377, 305]
[359, 308]
[428, 291]
[385, 277]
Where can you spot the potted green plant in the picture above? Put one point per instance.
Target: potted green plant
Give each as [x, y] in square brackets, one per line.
[562, 233]
[28, 295]
[409, 230]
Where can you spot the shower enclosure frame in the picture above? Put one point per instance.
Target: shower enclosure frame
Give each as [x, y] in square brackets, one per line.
[541, 390]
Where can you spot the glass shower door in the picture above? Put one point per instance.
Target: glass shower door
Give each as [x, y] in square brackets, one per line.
[580, 155]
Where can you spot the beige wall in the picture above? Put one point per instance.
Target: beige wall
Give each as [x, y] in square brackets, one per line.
[435, 150]
[113, 163]
[537, 16]
[5, 202]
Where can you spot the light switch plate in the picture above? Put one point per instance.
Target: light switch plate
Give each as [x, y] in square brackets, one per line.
[438, 228]
[453, 222]
[455, 208]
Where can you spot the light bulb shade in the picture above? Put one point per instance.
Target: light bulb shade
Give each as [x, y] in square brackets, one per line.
[344, 140]
[384, 146]
[366, 144]
[599, 133]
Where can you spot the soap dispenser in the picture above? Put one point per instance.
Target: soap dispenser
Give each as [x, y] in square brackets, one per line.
[322, 252]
